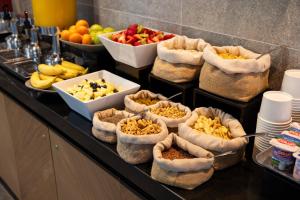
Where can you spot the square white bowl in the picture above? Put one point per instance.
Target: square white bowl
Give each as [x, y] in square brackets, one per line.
[135, 56]
[88, 108]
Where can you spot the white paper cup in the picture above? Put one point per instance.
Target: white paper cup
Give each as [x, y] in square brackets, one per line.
[291, 82]
[276, 106]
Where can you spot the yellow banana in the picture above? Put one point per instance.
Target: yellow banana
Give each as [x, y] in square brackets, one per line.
[50, 70]
[57, 79]
[69, 74]
[70, 65]
[68, 69]
[84, 71]
[39, 83]
[46, 77]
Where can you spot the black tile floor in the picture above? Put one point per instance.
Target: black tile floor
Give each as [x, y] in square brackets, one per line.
[4, 195]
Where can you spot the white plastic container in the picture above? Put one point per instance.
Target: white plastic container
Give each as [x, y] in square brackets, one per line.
[135, 56]
[282, 154]
[88, 108]
[292, 135]
[296, 172]
[276, 106]
[291, 82]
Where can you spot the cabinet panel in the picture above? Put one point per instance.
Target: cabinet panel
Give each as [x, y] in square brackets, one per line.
[127, 194]
[77, 177]
[32, 149]
[8, 167]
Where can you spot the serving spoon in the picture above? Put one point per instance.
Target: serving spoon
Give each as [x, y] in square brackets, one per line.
[261, 134]
[270, 51]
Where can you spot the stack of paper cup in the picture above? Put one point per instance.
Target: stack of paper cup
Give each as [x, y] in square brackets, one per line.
[274, 116]
[291, 85]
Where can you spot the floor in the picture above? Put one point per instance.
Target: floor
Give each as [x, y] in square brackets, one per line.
[4, 195]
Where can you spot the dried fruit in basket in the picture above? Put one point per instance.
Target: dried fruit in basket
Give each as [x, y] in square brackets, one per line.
[212, 127]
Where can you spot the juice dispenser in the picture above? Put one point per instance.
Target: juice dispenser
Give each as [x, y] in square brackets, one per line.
[59, 13]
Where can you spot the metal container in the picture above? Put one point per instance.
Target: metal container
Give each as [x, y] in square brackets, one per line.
[33, 50]
[3, 24]
[13, 41]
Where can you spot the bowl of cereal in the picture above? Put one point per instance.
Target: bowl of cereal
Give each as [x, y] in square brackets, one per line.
[137, 136]
[95, 91]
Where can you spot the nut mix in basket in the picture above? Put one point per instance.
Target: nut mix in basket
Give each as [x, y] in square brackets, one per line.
[169, 111]
[140, 127]
[141, 101]
[148, 101]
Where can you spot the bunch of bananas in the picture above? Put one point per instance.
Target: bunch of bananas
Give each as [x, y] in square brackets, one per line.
[47, 75]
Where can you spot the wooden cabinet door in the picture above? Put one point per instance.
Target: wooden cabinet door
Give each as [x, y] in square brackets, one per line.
[79, 178]
[127, 194]
[8, 167]
[32, 149]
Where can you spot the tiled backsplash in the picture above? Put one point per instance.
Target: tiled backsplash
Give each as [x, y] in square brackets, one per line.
[258, 25]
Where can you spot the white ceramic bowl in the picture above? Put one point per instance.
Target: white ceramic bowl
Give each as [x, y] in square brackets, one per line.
[296, 106]
[262, 129]
[260, 145]
[291, 82]
[273, 130]
[296, 120]
[273, 124]
[296, 101]
[276, 106]
[295, 109]
[88, 108]
[135, 56]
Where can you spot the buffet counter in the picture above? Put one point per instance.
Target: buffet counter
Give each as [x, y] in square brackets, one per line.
[106, 175]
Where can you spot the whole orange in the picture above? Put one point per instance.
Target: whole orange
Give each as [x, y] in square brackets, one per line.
[82, 22]
[65, 34]
[72, 29]
[82, 30]
[75, 37]
[86, 39]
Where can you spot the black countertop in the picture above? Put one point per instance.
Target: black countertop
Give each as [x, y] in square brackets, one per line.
[243, 181]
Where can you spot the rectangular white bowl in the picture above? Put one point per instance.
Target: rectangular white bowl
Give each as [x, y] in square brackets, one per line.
[135, 56]
[87, 109]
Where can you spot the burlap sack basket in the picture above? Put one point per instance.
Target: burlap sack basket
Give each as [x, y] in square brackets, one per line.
[137, 149]
[134, 107]
[236, 79]
[182, 173]
[216, 144]
[106, 131]
[171, 123]
[179, 59]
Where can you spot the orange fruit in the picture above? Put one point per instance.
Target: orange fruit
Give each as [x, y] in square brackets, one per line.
[72, 29]
[82, 30]
[65, 34]
[86, 39]
[82, 22]
[75, 37]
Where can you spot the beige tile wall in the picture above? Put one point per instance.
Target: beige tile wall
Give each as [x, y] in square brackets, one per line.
[256, 24]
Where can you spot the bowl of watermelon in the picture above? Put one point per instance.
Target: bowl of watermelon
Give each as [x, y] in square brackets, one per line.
[134, 46]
